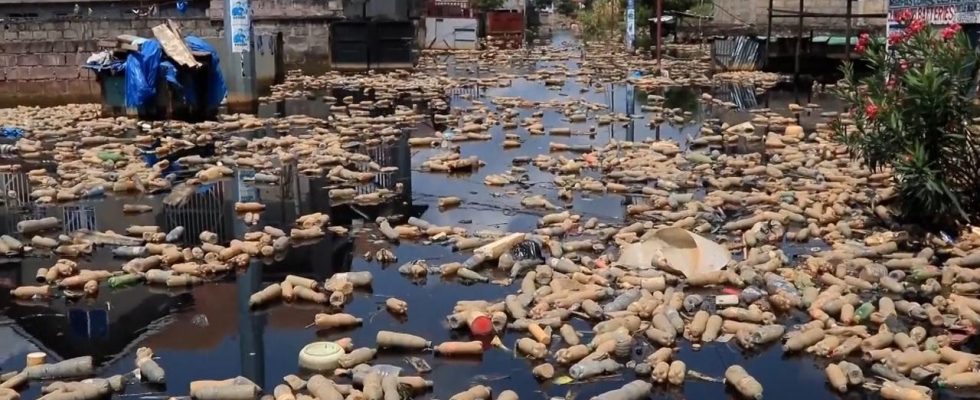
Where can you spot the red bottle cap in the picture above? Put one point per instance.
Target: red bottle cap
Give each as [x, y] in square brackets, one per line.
[481, 325]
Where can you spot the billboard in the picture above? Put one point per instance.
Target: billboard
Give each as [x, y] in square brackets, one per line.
[937, 12]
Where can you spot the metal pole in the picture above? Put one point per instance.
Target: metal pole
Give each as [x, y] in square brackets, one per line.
[242, 93]
[847, 32]
[660, 29]
[630, 25]
[799, 47]
[769, 32]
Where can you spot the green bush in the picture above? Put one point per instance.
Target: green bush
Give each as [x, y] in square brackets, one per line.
[565, 7]
[912, 114]
[486, 5]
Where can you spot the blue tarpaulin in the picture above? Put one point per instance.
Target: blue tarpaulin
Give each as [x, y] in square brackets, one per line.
[11, 132]
[217, 89]
[143, 67]
[141, 73]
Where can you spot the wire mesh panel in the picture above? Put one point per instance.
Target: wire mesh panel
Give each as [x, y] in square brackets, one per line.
[203, 211]
[743, 96]
[78, 218]
[16, 189]
[736, 54]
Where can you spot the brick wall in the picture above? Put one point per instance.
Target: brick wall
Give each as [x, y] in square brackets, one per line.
[33, 51]
[52, 50]
[754, 14]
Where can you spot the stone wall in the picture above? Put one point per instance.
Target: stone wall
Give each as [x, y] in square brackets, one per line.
[753, 14]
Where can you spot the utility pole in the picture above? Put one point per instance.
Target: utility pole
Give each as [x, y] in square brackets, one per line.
[847, 35]
[769, 31]
[630, 24]
[660, 30]
[242, 91]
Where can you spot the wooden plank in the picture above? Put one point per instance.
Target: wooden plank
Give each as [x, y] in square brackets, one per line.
[128, 38]
[108, 44]
[174, 46]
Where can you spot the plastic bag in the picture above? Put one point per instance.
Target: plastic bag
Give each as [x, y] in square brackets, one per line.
[527, 250]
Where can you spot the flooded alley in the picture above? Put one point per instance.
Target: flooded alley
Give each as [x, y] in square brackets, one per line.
[585, 152]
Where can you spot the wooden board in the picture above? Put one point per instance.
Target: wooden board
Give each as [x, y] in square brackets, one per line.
[107, 44]
[174, 46]
[127, 38]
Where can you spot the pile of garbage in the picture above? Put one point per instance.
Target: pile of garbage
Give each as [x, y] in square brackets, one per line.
[145, 62]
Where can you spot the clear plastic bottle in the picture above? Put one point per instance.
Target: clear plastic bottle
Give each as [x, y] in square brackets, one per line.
[776, 284]
[750, 294]
[447, 137]
[386, 369]
[96, 191]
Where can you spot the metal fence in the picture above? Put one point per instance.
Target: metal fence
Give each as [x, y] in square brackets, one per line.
[743, 96]
[736, 54]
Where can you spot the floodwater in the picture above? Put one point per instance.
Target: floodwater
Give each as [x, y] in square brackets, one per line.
[207, 332]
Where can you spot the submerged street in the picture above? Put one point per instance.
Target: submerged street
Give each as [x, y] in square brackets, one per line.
[595, 139]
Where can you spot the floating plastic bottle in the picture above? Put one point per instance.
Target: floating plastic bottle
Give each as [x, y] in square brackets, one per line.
[863, 312]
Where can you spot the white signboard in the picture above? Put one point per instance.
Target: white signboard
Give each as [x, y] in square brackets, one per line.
[937, 12]
[241, 21]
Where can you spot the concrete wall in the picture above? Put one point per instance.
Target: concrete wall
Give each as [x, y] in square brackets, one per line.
[397, 10]
[754, 14]
[450, 33]
[111, 9]
[41, 49]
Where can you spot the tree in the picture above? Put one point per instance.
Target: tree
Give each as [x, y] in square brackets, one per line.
[566, 7]
[912, 117]
[675, 5]
[486, 5]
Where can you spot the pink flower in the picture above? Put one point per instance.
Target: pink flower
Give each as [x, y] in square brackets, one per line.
[950, 31]
[904, 16]
[862, 44]
[896, 38]
[871, 111]
[915, 27]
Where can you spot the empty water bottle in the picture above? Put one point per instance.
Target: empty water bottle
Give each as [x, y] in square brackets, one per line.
[863, 312]
[622, 301]
[778, 284]
[175, 234]
[447, 137]
[750, 294]
[386, 369]
[94, 192]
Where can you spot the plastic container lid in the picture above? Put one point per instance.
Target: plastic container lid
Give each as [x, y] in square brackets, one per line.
[321, 356]
[481, 325]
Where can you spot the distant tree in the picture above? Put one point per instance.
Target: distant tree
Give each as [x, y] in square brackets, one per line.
[669, 5]
[675, 5]
[531, 9]
[566, 7]
[486, 5]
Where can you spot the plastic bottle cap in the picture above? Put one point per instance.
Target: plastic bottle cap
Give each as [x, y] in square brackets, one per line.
[36, 358]
[321, 356]
[481, 325]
